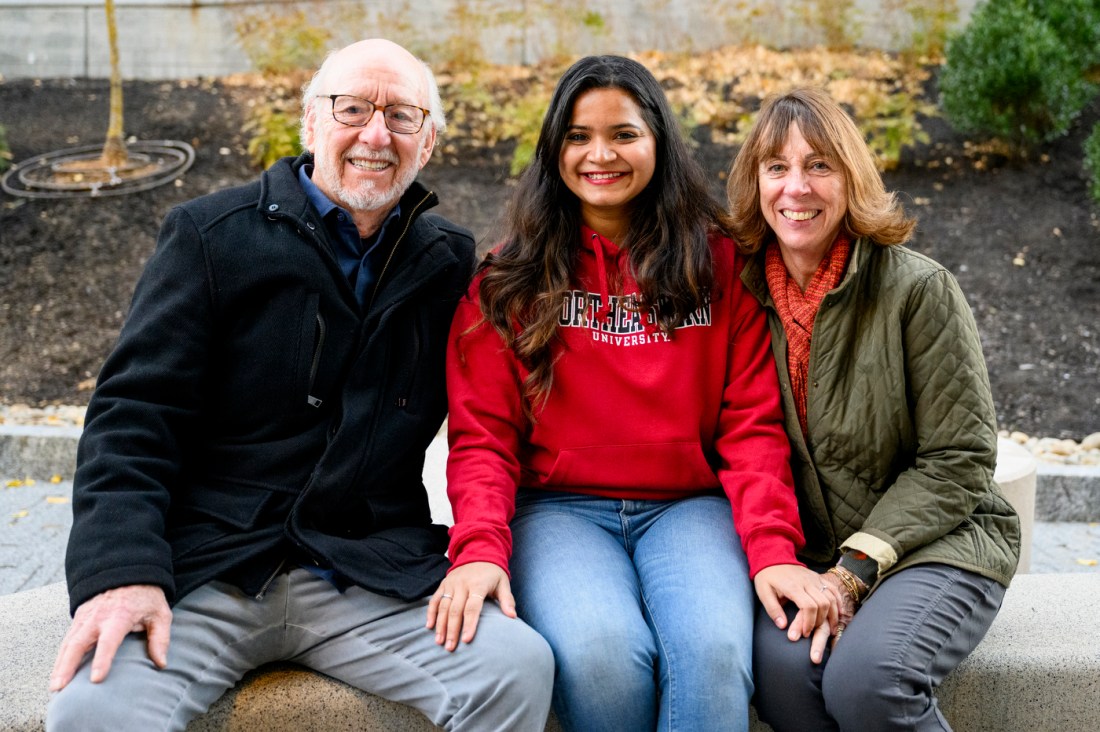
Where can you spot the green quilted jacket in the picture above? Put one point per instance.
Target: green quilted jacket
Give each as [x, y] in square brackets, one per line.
[902, 437]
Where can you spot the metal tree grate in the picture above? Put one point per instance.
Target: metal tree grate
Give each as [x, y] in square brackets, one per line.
[80, 171]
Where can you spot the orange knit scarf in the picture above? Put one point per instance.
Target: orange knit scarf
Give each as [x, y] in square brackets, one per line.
[797, 309]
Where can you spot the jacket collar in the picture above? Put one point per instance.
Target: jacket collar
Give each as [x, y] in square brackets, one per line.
[411, 243]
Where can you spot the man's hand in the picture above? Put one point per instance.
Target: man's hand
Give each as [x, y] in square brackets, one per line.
[102, 622]
[817, 602]
[456, 605]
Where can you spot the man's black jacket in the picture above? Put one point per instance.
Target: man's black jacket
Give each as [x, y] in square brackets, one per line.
[254, 414]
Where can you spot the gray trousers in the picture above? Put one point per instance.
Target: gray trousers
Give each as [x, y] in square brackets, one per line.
[500, 681]
[914, 630]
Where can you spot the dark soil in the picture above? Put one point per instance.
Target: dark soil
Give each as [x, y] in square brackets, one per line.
[1022, 239]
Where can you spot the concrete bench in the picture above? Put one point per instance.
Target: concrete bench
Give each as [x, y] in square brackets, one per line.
[1037, 669]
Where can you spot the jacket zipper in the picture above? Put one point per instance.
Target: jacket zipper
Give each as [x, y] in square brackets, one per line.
[305, 491]
[310, 399]
[400, 238]
[267, 583]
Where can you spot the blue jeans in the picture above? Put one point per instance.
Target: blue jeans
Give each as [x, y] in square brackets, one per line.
[647, 606]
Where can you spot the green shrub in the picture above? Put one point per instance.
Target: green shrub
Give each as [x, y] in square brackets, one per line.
[284, 45]
[5, 151]
[1008, 75]
[522, 123]
[892, 124]
[1077, 23]
[1092, 162]
[274, 134]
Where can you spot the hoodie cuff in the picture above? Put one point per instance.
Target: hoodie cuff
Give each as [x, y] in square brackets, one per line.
[478, 549]
[769, 549]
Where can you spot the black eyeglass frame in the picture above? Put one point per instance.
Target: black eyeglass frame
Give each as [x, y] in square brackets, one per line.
[375, 107]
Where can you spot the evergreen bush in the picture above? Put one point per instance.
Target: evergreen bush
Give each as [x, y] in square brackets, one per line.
[1077, 23]
[1008, 75]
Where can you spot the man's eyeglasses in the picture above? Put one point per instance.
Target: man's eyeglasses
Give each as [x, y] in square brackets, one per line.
[404, 119]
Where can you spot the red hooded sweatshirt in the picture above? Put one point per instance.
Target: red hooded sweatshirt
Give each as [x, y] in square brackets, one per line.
[632, 413]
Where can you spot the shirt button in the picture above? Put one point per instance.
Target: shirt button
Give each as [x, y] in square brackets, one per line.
[273, 207]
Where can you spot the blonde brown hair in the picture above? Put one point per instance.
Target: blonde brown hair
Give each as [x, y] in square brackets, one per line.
[873, 212]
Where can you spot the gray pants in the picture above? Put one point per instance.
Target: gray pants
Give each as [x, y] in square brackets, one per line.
[500, 681]
[914, 630]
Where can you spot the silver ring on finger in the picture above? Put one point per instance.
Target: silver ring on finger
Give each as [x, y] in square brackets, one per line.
[444, 597]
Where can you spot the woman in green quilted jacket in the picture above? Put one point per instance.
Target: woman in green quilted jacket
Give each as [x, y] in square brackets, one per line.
[892, 428]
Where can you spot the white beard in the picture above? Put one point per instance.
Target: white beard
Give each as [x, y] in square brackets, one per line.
[367, 197]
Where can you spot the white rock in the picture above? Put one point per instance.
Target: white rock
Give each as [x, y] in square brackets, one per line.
[1092, 442]
[1061, 447]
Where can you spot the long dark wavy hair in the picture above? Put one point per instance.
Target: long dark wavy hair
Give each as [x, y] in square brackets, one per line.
[667, 243]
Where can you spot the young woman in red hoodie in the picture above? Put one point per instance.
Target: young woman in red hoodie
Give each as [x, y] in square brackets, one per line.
[615, 427]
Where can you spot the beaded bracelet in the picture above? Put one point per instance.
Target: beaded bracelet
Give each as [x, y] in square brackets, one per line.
[855, 586]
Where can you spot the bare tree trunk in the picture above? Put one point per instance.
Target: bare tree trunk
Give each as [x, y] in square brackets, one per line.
[114, 149]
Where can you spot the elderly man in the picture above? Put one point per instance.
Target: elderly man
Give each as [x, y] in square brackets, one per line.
[252, 454]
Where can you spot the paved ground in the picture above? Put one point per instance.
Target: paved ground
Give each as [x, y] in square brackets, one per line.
[35, 521]
[1062, 546]
[34, 526]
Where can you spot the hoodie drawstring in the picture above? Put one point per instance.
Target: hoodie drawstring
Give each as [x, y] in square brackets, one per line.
[601, 270]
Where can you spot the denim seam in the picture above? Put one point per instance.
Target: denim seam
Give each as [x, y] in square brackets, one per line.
[662, 653]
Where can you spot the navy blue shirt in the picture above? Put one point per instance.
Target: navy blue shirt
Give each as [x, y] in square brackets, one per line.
[356, 258]
[355, 254]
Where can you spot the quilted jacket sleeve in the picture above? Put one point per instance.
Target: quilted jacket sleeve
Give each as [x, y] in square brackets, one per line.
[953, 419]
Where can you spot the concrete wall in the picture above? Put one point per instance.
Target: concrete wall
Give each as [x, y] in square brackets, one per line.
[167, 39]
[157, 40]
